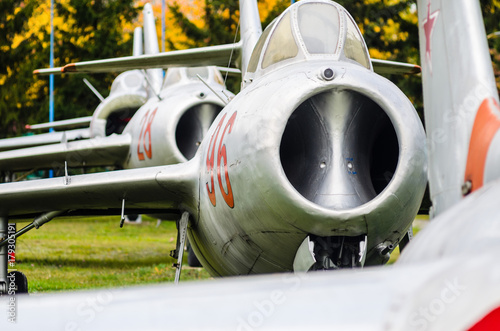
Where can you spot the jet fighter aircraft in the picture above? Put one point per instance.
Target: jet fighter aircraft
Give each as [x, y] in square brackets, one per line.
[317, 163]
[446, 279]
[127, 129]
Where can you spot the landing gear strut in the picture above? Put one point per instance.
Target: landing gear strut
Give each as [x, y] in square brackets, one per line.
[337, 252]
[178, 253]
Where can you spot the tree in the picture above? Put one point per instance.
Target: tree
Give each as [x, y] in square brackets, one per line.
[13, 54]
[94, 29]
[84, 30]
[96, 32]
[491, 16]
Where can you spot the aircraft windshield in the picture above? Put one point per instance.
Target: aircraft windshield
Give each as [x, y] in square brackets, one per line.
[173, 76]
[281, 45]
[254, 59]
[354, 48]
[311, 29]
[192, 72]
[319, 27]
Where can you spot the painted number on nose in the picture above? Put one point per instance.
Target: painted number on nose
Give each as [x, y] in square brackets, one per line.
[221, 167]
[144, 148]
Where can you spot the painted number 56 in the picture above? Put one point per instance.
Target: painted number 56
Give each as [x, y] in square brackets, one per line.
[227, 193]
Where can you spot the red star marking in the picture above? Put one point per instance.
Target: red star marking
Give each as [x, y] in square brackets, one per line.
[428, 25]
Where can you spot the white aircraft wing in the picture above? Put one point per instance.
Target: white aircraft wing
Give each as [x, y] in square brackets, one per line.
[63, 124]
[445, 295]
[43, 139]
[155, 189]
[222, 55]
[98, 151]
[204, 56]
[391, 67]
[49, 71]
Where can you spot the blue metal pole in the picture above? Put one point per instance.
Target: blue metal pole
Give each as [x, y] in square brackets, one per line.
[51, 79]
[51, 87]
[163, 25]
[293, 1]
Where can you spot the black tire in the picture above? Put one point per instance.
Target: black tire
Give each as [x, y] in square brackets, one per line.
[132, 217]
[192, 259]
[21, 282]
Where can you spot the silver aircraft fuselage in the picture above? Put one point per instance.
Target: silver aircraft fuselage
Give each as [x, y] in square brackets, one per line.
[255, 209]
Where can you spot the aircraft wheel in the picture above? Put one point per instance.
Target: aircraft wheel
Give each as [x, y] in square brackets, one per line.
[21, 282]
[192, 259]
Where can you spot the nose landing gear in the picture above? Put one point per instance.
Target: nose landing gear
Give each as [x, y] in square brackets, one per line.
[327, 253]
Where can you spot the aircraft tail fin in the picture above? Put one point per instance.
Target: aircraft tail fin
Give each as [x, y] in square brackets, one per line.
[152, 59]
[250, 28]
[460, 100]
[138, 46]
[155, 76]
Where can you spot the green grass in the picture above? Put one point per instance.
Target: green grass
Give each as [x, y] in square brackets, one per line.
[83, 253]
[420, 221]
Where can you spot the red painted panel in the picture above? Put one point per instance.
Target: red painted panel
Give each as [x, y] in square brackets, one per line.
[486, 125]
[489, 322]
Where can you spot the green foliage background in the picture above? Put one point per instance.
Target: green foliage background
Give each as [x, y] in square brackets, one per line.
[98, 21]
[94, 29]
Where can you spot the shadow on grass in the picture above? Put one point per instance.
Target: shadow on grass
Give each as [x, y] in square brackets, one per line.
[101, 263]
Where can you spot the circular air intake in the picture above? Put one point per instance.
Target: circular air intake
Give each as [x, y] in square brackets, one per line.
[339, 149]
[118, 120]
[192, 127]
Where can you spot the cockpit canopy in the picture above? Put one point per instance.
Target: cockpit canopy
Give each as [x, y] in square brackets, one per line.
[186, 75]
[309, 30]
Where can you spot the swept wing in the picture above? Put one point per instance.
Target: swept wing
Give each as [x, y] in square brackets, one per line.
[222, 55]
[43, 139]
[98, 151]
[144, 190]
[391, 67]
[204, 56]
[63, 124]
